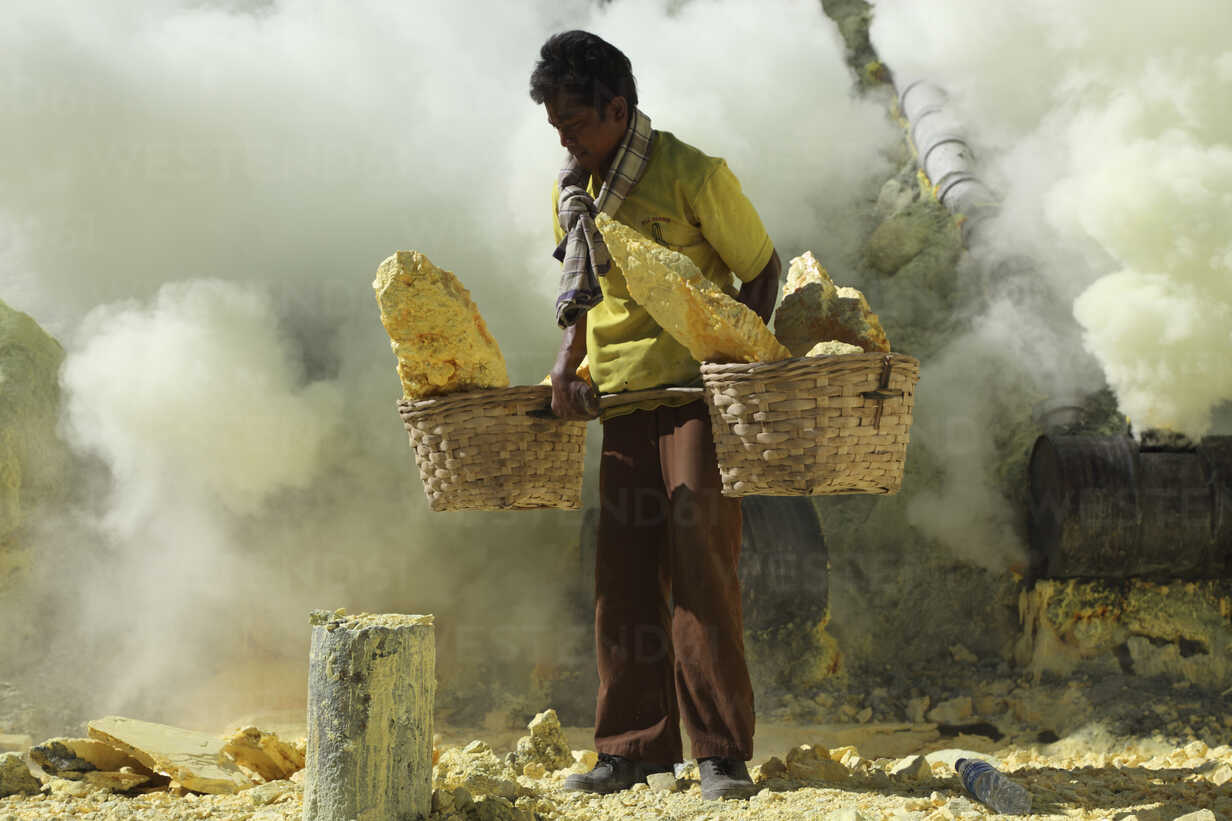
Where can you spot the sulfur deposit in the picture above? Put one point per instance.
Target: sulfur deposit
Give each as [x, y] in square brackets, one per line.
[546, 745]
[435, 330]
[194, 760]
[694, 310]
[833, 347]
[815, 310]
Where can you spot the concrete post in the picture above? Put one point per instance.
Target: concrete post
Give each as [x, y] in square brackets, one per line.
[371, 688]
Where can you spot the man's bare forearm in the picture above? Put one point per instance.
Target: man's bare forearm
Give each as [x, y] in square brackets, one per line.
[572, 397]
[572, 348]
[761, 292]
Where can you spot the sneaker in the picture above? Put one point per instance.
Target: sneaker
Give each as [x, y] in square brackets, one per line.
[725, 778]
[612, 774]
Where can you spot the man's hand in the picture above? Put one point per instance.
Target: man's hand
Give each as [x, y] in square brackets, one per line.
[572, 396]
[761, 292]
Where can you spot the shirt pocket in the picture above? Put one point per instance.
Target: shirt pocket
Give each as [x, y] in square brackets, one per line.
[670, 233]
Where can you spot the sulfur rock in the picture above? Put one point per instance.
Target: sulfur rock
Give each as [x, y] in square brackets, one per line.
[494, 808]
[833, 347]
[912, 768]
[814, 309]
[812, 763]
[79, 755]
[264, 756]
[477, 770]
[584, 760]
[193, 759]
[441, 342]
[772, 768]
[695, 311]
[1220, 775]
[663, 782]
[15, 776]
[546, 743]
[64, 788]
[271, 792]
[116, 781]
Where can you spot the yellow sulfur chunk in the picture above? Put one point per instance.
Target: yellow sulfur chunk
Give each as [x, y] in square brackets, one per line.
[833, 347]
[441, 341]
[814, 310]
[694, 310]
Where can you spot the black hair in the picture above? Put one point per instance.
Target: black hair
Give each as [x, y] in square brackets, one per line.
[583, 65]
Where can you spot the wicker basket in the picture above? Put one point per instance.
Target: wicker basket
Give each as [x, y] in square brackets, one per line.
[812, 425]
[480, 450]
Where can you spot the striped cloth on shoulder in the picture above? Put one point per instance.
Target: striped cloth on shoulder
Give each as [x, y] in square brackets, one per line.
[583, 252]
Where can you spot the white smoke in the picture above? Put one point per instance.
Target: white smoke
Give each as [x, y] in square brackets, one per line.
[194, 196]
[196, 398]
[1106, 127]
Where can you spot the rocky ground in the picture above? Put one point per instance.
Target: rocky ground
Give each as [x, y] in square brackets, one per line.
[1085, 747]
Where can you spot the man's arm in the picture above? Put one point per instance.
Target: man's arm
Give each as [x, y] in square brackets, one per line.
[761, 292]
[567, 387]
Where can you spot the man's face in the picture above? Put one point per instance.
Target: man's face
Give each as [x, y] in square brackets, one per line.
[590, 140]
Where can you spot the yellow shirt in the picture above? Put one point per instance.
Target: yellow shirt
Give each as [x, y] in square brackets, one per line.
[692, 203]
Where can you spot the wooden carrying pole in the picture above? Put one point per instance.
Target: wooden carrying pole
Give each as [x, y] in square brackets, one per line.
[371, 688]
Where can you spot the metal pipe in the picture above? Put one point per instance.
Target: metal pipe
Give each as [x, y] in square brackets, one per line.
[946, 157]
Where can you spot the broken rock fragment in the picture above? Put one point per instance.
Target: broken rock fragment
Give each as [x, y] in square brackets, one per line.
[58, 756]
[912, 768]
[833, 347]
[264, 756]
[477, 769]
[115, 781]
[15, 776]
[193, 759]
[546, 743]
[812, 763]
[814, 310]
[442, 343]
[694, 310]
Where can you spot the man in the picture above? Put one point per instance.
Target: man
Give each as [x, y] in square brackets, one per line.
[668, 632]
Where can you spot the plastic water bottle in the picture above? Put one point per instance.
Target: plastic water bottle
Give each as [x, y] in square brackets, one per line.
[992, 789]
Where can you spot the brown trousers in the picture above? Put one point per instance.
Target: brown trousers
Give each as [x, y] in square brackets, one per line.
[668, 629]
